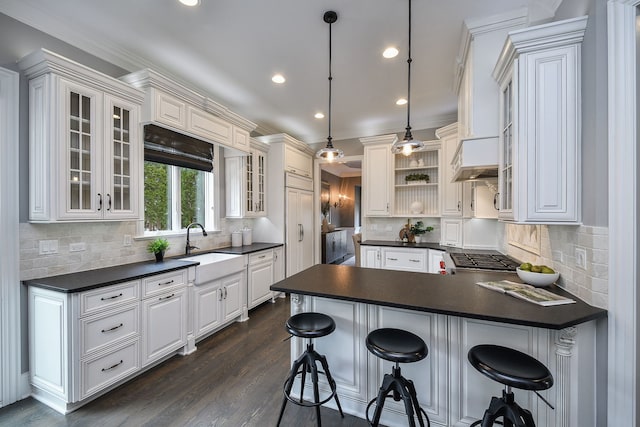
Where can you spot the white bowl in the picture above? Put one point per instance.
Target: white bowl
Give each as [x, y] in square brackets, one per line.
[537, 279]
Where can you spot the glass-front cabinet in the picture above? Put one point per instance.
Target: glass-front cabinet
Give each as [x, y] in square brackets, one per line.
[506, 153]
[245, 181]
[84, 147]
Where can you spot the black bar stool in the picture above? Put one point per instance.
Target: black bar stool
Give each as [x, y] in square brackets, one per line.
[309, 325]
[397, 346]
[513, 369]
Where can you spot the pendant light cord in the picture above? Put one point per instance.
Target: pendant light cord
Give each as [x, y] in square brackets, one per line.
[329, 144]
[408, 134]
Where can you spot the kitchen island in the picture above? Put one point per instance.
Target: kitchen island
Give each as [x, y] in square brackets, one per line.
[452, 314]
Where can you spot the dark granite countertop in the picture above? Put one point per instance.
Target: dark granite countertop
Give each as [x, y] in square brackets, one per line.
[424, 245]
[91, 279]
[455, 295]
[241, 250]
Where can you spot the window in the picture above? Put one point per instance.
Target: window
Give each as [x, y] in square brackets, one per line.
[178, 181]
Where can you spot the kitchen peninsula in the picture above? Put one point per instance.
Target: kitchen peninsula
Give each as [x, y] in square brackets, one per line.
[451, 314]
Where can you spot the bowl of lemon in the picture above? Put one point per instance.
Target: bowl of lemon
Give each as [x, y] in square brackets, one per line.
[537, 275]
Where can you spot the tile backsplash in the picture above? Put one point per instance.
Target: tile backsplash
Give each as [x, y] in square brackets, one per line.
[557, 249]
[104, 245]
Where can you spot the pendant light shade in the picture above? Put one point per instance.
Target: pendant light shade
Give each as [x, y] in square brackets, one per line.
[330, 152]
[408, 145]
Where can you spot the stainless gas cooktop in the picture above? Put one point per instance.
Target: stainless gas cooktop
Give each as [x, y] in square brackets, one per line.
[497, 262]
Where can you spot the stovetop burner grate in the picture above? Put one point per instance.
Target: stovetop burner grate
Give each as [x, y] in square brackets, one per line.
[484, 261]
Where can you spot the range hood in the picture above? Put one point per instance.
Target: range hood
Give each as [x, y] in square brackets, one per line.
[475, 158]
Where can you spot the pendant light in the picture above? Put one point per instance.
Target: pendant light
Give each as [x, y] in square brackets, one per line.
[408, 145]
[330, 152]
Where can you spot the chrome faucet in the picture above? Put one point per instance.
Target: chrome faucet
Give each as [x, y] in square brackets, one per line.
[188, 248]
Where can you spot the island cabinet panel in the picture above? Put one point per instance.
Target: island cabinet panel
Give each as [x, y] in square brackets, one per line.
[346, 352]
[471, 389]
[428, 375]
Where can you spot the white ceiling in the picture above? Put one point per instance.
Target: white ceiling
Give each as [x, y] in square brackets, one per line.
[229, 49]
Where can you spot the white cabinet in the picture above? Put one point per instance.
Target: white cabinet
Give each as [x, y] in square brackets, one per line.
[295, 161]
[370, 256]
[217, 302]
[245, 183]
[240, 139]
[206, 125]
[451, 192]
[299, 230]
[84, 343]
[451, 234]
[84, 142]
[164, 315]
[405, 259]
[377, 176]
[260, 277]
[540, 143]
[481, 199]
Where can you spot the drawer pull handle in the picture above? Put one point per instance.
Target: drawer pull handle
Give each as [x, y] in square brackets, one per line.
[262, 256]
[113, 329]
[113, 366]
[113, 297]
[167, 297]
[392, 259]
[166, 283]
[414, 260]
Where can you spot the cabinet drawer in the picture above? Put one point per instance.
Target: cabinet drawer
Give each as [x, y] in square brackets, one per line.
[108, 369]
[260, 257]
[157, 284]
[108, 297]
[102, 330]
[406, 260]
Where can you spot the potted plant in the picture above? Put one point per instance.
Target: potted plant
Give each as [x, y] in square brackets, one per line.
[158, 247]
[416, 178]
[418, 229]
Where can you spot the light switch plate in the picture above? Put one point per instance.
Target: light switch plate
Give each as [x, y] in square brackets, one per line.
[581, 257]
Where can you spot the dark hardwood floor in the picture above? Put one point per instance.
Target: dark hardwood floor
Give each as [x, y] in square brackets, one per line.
[234, 379]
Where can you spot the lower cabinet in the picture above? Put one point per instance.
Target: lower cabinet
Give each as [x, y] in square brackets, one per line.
[449, 389]
[334, 246]
[82, 344]
[260, 277]
[216, 303]
[421, 260]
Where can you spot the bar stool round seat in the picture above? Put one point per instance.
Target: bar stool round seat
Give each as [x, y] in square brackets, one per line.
[309, 325]
[398, 346]
[513, 369]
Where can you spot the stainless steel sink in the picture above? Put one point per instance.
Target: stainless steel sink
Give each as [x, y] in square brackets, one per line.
[214, 266]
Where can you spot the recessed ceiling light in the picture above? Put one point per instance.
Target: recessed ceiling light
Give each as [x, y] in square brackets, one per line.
[278, 78]
[401, 101]
[319, 116]
[190, 2]
[390, 52]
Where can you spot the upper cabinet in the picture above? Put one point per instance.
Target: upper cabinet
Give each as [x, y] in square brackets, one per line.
[481, 41]
[377, 175]
[540, 155]
[298, 162]
[179, 108]
[450, 192]
[246, 181]
[84, 142]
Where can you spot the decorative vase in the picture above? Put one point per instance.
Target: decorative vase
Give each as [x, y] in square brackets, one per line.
[159, 256]
[413, 163]
[416, 207]
[418, 238]
[325, 225]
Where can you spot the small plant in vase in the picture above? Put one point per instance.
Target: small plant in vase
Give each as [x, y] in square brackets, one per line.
[158, 247]
[418, 229]
[416, 178]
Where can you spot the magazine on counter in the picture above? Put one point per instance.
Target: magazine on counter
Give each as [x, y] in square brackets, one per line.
[527, 292]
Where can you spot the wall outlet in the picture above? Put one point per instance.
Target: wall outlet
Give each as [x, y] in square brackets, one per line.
[77, 247]
[127, 240]
[581, 258]
[48, 247]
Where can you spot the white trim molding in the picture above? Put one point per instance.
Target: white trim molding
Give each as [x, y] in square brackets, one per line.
[10, 343]
[623, 226]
